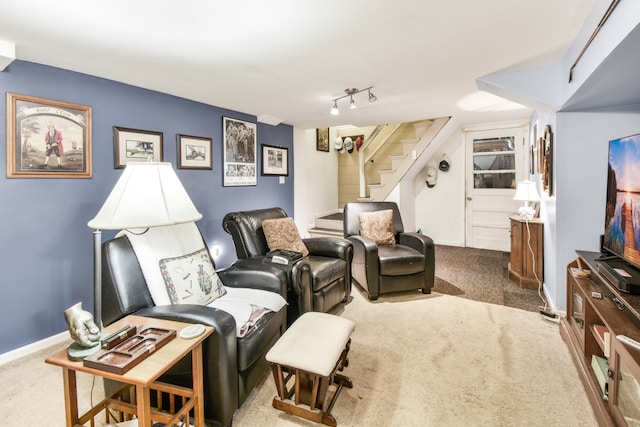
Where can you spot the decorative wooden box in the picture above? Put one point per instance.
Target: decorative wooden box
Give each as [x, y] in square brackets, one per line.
[130, 352]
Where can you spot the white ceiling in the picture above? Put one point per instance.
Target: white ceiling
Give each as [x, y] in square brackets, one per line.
[287, 59]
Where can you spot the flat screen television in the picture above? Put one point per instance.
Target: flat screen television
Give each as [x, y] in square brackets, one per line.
[622, 216]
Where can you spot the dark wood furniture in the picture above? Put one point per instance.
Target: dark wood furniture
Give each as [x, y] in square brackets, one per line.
[596, 312]
[305, 363]
[141, 380]
[526, 236]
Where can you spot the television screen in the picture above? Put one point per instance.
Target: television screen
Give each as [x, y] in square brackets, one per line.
[622, 216]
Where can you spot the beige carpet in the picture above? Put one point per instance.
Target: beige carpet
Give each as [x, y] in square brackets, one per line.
[445, 361]
[416, 360]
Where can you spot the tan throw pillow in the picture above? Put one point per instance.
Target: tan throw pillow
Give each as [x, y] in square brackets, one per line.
[378, 226]
[282, 233]
[191, 279]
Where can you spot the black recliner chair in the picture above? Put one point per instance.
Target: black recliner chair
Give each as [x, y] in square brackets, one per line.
[232, 366]
[406, 265]
[319, 282]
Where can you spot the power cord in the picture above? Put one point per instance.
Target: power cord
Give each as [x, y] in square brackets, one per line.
[546, 314]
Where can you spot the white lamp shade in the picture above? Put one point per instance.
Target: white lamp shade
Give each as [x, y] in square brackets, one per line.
[146, 195]
[526, 191]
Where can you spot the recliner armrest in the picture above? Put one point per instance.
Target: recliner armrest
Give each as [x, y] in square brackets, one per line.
[193, 313]
[363, 243]
[252, 273]
[333, 247]
[417, 241]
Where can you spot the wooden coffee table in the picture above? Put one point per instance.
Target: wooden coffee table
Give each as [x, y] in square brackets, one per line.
[142, 378]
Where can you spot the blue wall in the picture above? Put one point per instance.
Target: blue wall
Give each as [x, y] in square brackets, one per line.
[46, 247]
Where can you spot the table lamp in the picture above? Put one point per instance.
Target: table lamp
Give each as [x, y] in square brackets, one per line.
[526, 191]
[146, 195]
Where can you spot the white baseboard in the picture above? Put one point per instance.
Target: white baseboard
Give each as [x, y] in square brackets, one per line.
[12, 355]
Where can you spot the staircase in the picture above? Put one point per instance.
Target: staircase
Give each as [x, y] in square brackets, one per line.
[401, 155]
[388, 154]
[327, 225]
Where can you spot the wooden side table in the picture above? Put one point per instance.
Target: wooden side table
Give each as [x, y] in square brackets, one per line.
[523, 266]
[142, 377]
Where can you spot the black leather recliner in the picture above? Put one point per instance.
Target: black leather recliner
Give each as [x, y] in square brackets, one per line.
[319, 282]
[232, 366]
[407, 265]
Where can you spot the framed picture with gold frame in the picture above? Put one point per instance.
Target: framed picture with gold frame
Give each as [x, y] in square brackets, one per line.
[322, 139]
[47, 138]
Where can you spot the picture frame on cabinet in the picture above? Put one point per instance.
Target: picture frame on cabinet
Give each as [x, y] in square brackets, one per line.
[135, 145]
[275, 160]
[194, 152]
[47, 138]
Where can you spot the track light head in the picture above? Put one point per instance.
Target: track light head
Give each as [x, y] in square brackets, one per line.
[372, 97]
[352, 103]
[334, 110]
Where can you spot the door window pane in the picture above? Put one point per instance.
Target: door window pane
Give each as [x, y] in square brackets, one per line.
[498, 156]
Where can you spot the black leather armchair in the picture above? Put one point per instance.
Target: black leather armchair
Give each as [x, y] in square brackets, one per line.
[319, 282]
[232, 366]
[407, 265]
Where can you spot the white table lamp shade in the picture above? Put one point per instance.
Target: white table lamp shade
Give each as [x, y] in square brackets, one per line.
[526, 191]
[146, 195]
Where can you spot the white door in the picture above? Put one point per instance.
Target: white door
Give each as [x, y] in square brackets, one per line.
[495, 160]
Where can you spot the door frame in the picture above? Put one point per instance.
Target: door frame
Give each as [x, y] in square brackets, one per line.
[503, 196]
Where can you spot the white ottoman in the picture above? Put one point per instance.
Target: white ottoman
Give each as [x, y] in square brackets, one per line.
[311, 352]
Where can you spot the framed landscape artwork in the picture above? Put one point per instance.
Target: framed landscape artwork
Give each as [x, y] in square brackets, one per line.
[239, 146]
[133, 145]
[47, 139]
[194, 152]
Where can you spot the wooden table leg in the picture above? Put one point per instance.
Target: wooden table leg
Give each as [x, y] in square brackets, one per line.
[70, 396]
[143, 399]
[198, 384]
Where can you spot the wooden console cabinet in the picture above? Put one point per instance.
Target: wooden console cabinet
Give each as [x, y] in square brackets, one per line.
[596, 313]
[526, 236]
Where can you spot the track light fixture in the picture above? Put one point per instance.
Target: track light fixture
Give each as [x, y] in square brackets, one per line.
[349, 92]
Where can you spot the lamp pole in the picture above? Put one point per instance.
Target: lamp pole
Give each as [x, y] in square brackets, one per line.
[97, 278]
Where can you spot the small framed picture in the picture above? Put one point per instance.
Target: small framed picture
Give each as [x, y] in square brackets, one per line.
[275, 160]
[194, 152]
[47, 138]
[133, 145]
[322, 139]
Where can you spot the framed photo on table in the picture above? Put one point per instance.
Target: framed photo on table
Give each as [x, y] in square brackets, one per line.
[194, 152]
[134, 145]
[47, 139]
[239, 146]
[275, 160]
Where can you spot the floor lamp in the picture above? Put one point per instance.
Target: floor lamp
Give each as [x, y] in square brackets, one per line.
[146, 195]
